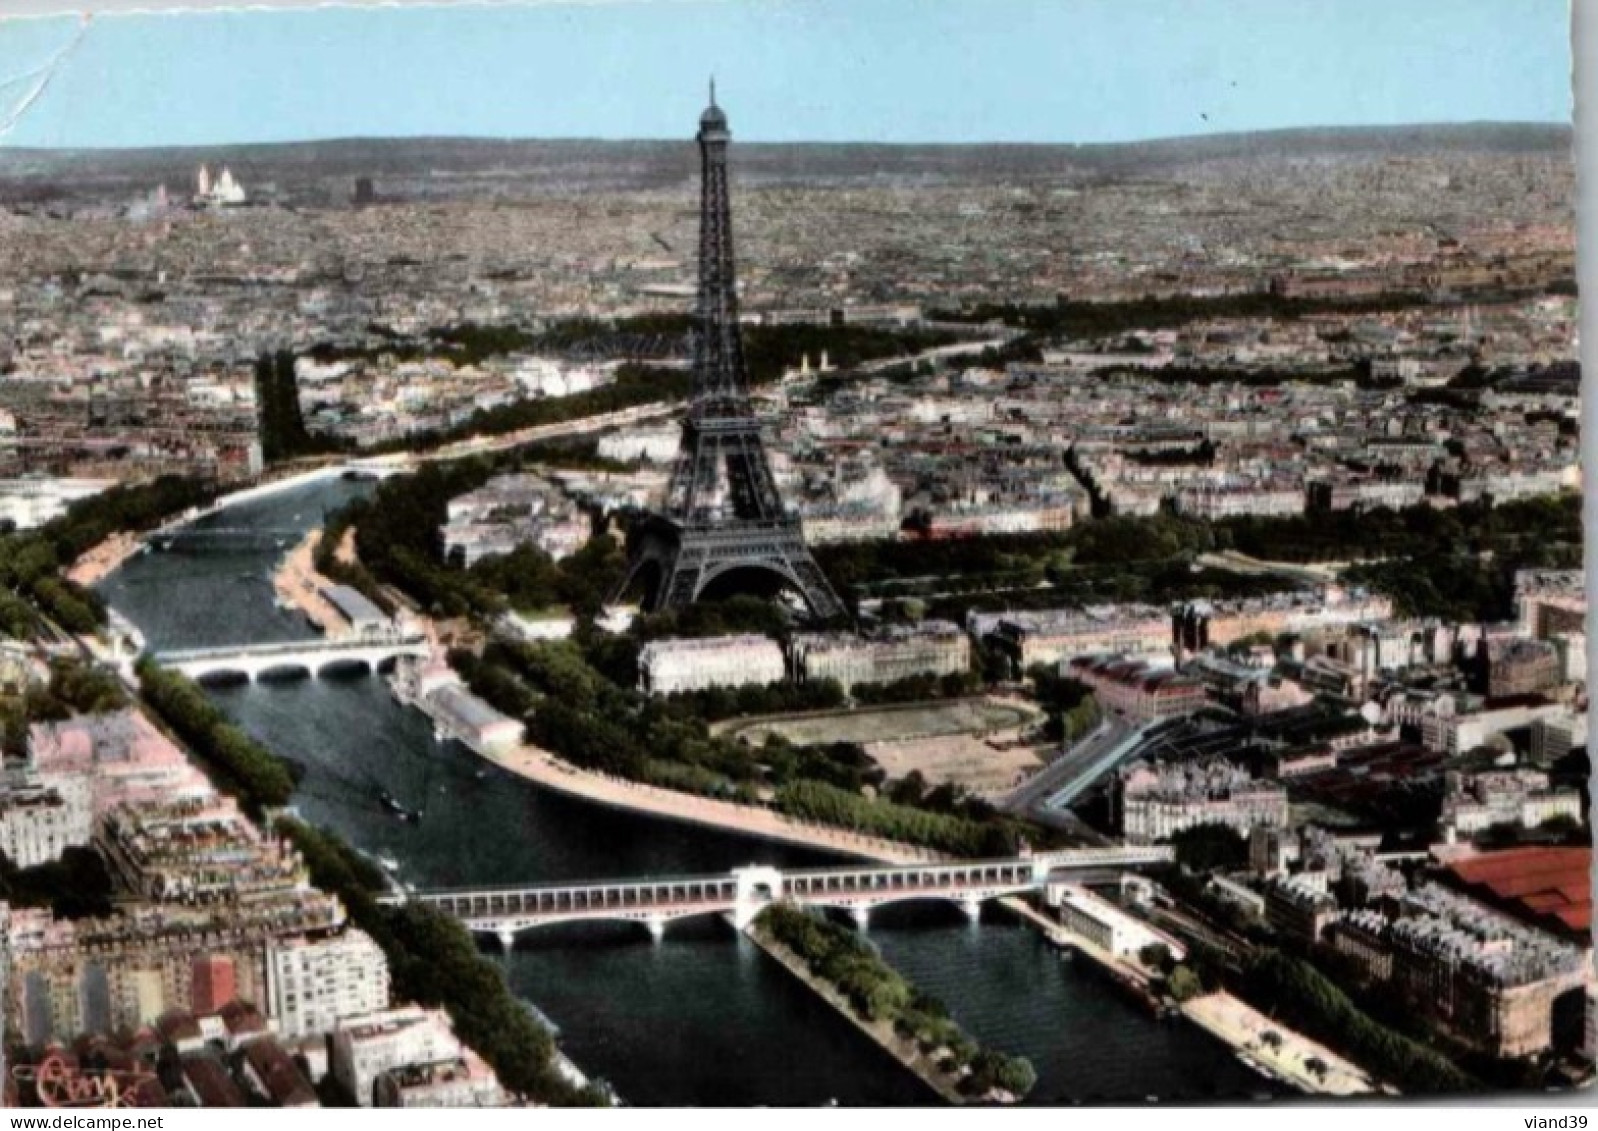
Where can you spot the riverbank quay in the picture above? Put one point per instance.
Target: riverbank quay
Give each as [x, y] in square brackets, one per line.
[880, 1034]
[298, 585]
[1130, 978]
[98, 562]
[1238, 1024]
[542, 768]
[1228, 1019]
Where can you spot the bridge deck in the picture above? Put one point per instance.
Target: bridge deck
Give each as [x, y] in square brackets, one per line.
[834, 887]
[315, 646]
[817, 879]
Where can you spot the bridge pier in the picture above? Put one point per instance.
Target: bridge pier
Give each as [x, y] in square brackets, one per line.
[657, 927]
[861, 915]
[972, 909]
[507, 940]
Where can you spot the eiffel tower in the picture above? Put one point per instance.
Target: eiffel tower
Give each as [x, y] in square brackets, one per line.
[723, 527]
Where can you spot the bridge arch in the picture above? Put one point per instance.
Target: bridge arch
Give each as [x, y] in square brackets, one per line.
[754, 888]
[282, 671]
[759, 882]
[655, 921]
[222, 676]
[341, 665]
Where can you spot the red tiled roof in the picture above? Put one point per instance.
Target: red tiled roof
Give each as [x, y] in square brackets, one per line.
[242, 1017]
[210, 1081]
[285, 1085]
[1540, 881]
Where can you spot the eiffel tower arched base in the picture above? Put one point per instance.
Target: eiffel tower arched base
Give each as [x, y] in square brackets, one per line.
[676, 564]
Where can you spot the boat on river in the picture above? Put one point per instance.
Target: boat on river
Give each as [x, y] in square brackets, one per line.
[393, 806]
[540, 1018]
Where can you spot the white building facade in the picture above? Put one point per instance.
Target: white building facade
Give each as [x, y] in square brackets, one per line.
[367, 1047]
[315, 985]
[673, 666]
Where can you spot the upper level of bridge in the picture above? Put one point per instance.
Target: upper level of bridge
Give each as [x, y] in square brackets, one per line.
[1008, 873]
[1122, 855]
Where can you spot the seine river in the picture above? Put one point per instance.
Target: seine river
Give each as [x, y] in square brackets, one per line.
[701, 1017]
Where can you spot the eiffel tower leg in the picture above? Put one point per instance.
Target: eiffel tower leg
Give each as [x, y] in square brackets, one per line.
[629, 579]
[679, 586]
[652, 555]
[814, 587]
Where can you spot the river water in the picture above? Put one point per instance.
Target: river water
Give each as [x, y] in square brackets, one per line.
[701, 1017]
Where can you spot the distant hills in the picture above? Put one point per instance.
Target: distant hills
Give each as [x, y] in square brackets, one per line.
[444, 167]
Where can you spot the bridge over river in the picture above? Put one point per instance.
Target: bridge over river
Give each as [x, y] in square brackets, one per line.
[310, 656]
[223, 539]
[743, 893]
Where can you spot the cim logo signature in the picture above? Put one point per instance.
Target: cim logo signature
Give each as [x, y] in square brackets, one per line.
[59, 1084]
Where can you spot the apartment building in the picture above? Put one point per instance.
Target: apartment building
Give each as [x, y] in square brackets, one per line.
[313, 985]
[368, 1047]
[1060, 635]
[890, 653]
[1523, 798]
[38, 823]
[672, 666]
[1153, 803]
[1133, 689]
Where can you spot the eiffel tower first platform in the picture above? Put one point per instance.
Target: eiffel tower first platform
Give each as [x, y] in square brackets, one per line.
[723, 527]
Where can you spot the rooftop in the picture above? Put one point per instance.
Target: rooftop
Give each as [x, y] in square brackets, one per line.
[1538, 883]
[353, 604]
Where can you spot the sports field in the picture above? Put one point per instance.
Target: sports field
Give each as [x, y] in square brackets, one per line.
[970, 742]
[962, 759]
[886, 724]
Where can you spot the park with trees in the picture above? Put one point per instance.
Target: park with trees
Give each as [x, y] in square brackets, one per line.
[241, 766]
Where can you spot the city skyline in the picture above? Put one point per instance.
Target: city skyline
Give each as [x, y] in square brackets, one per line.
[1086, 72]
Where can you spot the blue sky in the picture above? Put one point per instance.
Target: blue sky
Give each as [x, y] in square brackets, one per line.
[788, 70]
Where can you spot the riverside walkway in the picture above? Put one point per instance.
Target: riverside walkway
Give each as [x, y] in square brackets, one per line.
[544, 769]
